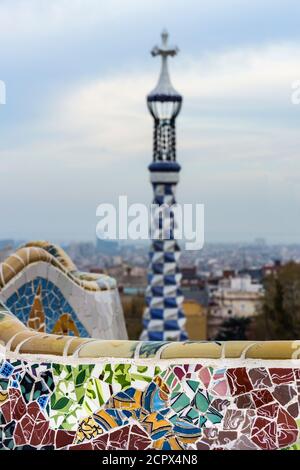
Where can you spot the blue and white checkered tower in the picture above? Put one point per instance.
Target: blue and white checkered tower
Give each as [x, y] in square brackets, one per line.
[164, 319]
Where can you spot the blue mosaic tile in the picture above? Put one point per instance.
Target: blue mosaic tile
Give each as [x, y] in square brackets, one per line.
[53, 301]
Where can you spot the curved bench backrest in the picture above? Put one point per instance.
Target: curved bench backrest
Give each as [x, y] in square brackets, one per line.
[42, 287]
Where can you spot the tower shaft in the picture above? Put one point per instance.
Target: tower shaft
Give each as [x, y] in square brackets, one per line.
[164, 319]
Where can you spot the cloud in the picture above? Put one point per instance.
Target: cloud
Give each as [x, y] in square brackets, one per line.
[238, 98]
[76, 130]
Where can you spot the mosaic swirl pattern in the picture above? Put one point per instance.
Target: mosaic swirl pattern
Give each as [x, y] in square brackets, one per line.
[52, 306]
[128, 406]
[64, 392]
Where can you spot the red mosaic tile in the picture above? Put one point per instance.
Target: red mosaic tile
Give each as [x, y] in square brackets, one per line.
[284, 393]
[220, 404]
[268, 411]
[14, 395]
[262, 397]
[27, 425]
[86, 446]
[179, 372]
[19, 436]
[287, 429]
[244, 401]
[293, 410]
[118, 439]
[280, 376]
[34, 411]
[265, 437]
[100, 443]
[259, 424]
[210, 433]
[260, 377]
[38, 433]
[138, 430]
[286, 437]
[48, 438]
[64, 438]
[19, 409]
[285, 420]
[138, 439]
[201, 445]
[239, 381]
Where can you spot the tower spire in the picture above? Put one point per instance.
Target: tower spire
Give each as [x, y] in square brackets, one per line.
[164, 319]
[164, 88]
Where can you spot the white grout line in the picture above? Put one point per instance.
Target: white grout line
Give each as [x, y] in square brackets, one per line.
[217, 363]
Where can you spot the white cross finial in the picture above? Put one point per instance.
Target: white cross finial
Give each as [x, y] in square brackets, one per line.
[164, 50]
[164, 89]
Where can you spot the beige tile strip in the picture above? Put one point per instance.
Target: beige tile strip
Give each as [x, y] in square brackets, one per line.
[18, 338]
[34, 252]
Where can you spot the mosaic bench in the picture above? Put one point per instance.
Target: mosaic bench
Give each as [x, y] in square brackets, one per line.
[40, 284]
[63, 392]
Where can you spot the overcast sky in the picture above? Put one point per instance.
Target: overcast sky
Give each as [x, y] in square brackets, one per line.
[75, 130]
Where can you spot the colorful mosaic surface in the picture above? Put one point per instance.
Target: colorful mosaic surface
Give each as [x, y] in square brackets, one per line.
[43, 288]
[127, 406]
[49, 309]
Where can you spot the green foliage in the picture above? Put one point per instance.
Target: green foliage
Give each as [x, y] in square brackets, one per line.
[279, 316]
[59, 404]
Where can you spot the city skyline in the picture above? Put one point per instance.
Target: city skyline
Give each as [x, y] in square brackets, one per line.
[75, 116]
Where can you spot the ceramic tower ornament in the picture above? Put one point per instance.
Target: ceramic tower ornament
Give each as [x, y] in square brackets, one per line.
[164, 319]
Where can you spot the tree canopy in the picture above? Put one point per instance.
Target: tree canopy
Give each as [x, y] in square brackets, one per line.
[279, 316]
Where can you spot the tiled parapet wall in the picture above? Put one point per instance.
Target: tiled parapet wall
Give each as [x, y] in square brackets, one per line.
[59, 392]
[42, 287]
